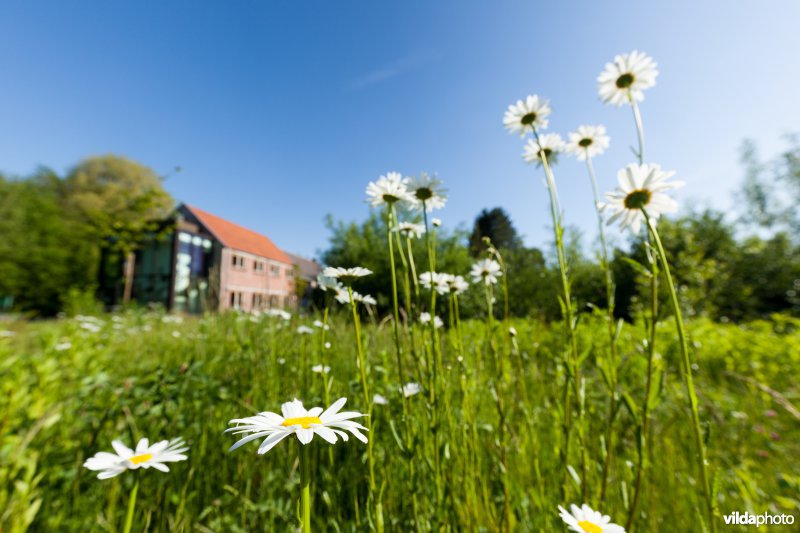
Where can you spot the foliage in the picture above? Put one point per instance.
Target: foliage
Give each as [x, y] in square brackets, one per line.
[497, 226]
[61, 405]
[43, 250]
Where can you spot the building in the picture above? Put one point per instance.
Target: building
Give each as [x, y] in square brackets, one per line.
[202, 262]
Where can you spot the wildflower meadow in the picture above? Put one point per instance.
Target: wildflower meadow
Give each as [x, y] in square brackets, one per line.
[343, 418]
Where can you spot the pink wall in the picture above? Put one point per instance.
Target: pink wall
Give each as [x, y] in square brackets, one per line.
[273, 290]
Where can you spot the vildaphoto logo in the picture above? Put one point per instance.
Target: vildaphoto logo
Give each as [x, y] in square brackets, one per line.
[747, 519]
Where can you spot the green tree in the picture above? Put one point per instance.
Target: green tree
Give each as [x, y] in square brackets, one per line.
[121, 201]
[497, 225]
[44, 252]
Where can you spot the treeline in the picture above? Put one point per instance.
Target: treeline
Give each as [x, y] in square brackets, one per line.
[55, 229]
[727, 268]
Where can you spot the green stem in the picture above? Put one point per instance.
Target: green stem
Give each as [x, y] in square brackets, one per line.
[643, 443]
[572, 361]
[612, 335]
[131, 507]
[637, 117]
[687, 374]
[305, 483]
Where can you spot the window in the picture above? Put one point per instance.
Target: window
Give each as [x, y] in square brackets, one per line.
[258, 266]
[276, 271]
[238, 262]
[236, 300]
[258, 301]
[289, 273]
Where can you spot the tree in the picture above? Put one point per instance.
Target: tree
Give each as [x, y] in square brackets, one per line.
[771, 189]
[44, 252]
[122, 202]
[497, 225]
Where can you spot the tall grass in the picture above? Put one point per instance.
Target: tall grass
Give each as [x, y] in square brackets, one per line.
[141, 376]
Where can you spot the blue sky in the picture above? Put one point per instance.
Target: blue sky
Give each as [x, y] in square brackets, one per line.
[281, 112]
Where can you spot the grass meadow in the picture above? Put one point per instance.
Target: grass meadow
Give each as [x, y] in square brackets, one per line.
[70, 386]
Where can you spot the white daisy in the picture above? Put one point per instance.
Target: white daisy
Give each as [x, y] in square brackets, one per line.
[588, 141]
[389, 189]
[550, 143]
[584, 519]
[325, 282]
[512, 331]
[427, 190]
[346, 275]
[410, 230]
[319, 324]
[485, 271]
[436, 281]
[279, 313]
[62, 346]
[365, 299]
[457, 284]
[527, 115]
[627, 77]
[436, 222]
[379, 399]
[425, 318]
[145, 456]
[410, 389]
[296, 420]
[641, 187]
[319, 369]
[304, 330]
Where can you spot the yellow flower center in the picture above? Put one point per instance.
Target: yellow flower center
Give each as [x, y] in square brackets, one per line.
[589, 527]
[303, 421]
[139, 459]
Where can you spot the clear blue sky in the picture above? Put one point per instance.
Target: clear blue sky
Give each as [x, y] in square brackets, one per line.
[280, 112]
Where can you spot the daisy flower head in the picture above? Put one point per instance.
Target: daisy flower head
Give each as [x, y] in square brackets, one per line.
[548, 145]
[410, 389]
[325, 282]
[389, 189]
[436, 222]
[410, 230]
[425, 318]
[641, 188]
[527, 115]
[379, 399]
[279, 313]
[365, 299]
[588, 141]
[626, 78]
[319, 369]
[304, 330]
[346, 275]
[457, 284]
[294, 419]
[319, 324]
[144, 456]
[486, 271]
[427, 191]
[584, 519]
[435, 281]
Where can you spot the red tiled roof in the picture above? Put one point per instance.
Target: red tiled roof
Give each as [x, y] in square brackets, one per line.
[234, 236]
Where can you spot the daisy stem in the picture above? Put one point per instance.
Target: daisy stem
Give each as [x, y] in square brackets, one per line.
[391, 215]
[131, 507]
[643, 442]
[362, 366]
[612, 334]
[637, 117]
[687, 374]
[572, 362]
[305, 482]
[323, 374]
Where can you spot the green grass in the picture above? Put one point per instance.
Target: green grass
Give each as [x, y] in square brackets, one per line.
[140, 376]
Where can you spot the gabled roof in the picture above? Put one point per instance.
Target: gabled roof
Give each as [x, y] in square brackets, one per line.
[238, 238]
